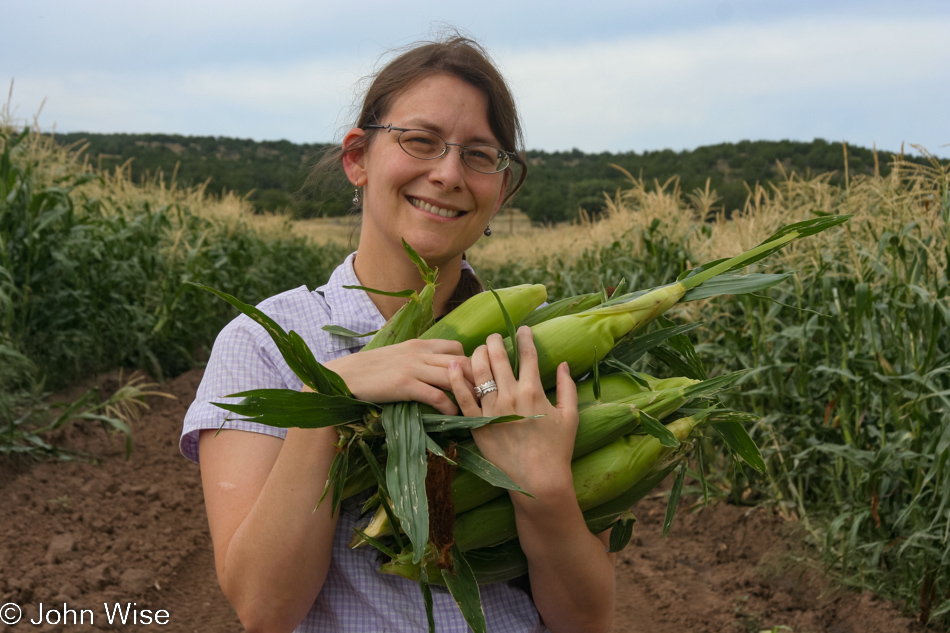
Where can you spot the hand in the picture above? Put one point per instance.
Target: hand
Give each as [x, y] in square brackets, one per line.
[535, 453]
[412, 370]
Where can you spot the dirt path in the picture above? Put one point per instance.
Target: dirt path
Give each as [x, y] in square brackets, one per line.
[134, 532]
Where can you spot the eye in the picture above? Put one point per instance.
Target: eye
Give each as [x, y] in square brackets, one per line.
[483, 156]
[421, 143]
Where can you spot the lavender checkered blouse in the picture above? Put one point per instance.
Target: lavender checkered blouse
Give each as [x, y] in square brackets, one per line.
[355, 597]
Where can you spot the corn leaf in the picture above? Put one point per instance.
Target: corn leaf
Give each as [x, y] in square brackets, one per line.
[632, 347]
[386, 293]
[339, 330]
[463, 586]
[337, 466]
[715, 385]
[413, 318]
[294, 351]
[433, 447]
[383, 492]
[732, 284]
[286, 408]
[481, 467]
[568, 305]
[729, 426]
[653, 427]
[376, 543]
[680, 343]
[339, 481]
[428, 274]
[621, 532]
[674, 499]
[426, 596]
[437, 422]
[406, 471]
[512, 332]
[596, 376]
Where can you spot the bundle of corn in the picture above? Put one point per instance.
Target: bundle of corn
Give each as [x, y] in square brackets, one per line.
[622, 451]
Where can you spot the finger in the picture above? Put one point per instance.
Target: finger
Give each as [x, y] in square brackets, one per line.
[437, 346]
[566, 390]
[500, 364]
[482, 373]
[437, 375]
[444, 360]
[464, 392]
[438, 400]
[528, 373]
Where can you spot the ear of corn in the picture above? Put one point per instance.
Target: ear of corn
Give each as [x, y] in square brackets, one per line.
[619, 386]
[599, 477]
[598, 426]
[583, 339]
[413, 318]
[627, 466]
[478, 317]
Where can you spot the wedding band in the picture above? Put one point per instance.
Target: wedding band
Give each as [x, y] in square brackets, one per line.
[485, 387]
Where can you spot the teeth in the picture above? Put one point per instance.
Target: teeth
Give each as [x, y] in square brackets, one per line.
[431, 208]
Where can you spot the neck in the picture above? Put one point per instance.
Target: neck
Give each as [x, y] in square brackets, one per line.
[393, 276]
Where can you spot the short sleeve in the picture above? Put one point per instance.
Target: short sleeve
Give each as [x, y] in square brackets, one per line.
[245, 357]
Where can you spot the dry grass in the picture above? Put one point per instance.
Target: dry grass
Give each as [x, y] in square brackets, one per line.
[906, 197]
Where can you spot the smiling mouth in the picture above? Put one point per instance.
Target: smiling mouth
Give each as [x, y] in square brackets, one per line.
[434, 210]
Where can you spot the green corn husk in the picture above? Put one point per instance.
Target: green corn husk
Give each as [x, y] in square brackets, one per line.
[413, 318]
[478, 317]
[499, 563]
[489, 564]
[598, 477]
[585, 338]
[598, 426]
[564, 307]
[619, 386]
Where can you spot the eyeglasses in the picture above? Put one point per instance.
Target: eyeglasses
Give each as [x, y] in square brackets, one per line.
[486, 159]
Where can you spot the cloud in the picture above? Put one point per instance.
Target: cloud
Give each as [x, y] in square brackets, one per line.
[628, 93]
[838, 75]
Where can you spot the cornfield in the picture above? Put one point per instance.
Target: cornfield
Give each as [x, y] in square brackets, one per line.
[852, 353]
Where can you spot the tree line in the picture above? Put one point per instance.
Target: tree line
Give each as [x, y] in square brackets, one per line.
[275, 173]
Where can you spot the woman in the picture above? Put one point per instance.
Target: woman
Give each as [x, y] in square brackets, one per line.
[283, 565]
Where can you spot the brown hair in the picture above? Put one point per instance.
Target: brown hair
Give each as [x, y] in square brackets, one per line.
[458, 56]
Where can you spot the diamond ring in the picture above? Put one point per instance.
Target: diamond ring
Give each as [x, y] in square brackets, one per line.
[484, 388]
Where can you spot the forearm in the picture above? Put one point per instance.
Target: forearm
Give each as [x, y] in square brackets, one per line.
[572, 575]
[274, 562]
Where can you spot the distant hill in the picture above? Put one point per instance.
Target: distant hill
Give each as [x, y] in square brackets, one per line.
[558, 185]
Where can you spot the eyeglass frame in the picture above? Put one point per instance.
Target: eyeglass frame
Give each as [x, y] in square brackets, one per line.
[445, 149]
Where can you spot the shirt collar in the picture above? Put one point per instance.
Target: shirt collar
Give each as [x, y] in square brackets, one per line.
[351, 309]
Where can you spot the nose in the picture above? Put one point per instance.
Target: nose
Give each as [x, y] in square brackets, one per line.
[449, 170]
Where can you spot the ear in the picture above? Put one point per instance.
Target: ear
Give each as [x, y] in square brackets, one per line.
[353, 160]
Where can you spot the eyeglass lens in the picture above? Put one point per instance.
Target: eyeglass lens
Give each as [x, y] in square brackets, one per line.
[428, 145]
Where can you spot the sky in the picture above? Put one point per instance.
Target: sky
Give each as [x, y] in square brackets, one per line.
[637, 75]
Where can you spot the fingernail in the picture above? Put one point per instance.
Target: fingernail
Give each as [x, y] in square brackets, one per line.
[453, 365]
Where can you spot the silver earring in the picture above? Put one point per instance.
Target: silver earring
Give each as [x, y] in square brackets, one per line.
[488, 230]
[356, 197]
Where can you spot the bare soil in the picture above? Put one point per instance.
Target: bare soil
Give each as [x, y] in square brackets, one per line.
[120, 532]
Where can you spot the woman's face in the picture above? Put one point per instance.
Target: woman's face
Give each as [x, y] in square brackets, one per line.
[441, 206]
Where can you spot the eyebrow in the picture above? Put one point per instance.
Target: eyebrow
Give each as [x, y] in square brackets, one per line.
[434, 127]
